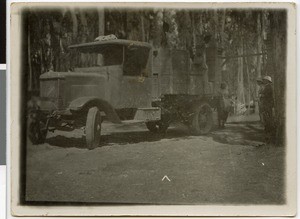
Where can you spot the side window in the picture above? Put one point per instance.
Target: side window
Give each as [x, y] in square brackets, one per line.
[112, 55]
[135, 61]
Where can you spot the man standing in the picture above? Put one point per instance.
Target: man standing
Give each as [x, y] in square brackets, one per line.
[260, 84]
[224, 105]
[267, 104]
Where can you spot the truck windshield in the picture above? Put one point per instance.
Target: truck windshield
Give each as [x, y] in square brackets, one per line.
[98, 56]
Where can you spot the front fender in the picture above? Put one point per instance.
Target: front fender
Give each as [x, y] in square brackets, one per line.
[83, 103]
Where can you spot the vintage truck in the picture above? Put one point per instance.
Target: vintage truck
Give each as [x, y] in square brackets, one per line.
[120, 80]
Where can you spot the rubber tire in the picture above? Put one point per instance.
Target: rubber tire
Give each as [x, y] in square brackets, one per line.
[157, 126]
[35, 134]
[93, 128]
[195, 128]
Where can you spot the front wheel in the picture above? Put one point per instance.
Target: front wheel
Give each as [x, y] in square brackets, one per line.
[201, 121]
[37, 131]
[93, 128]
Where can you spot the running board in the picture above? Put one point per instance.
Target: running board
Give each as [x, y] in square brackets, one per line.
[148, 114]
[145, 115]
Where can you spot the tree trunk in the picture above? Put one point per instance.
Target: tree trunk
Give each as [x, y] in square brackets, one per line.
[278, 61]
[258, 58]
[248, 83]
[223, 44]
[101, 30]
[101, 22]
[223, 27]
[143, 28]
[259, 46]
[215, 17]
[29, 60]
[217, 78]
[75, 23]
[192, 16]
[201, 24]
[240, 88]
[84, 25]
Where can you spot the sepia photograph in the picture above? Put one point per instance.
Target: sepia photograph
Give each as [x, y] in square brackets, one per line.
[141, 104]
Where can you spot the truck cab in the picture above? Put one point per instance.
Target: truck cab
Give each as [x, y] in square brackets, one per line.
[110, 79]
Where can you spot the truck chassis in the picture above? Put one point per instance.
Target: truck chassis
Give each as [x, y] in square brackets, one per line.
[192, 110]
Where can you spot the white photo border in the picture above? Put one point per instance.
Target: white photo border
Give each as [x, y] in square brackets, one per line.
[13, 110]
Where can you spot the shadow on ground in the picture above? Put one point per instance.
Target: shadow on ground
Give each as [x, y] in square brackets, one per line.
[66, 142]
[121, 138]
[246, 133]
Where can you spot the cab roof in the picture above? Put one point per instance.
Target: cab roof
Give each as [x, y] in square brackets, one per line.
[111, 42]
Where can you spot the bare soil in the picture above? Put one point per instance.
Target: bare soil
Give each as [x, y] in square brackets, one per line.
[228, 166]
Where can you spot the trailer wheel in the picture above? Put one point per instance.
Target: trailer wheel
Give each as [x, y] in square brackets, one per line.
[157, 126]
[202, 119]
[93, 128]
[37, 132]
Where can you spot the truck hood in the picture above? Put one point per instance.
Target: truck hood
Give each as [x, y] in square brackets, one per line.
[65, 87]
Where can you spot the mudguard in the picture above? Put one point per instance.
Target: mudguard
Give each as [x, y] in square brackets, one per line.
[87, 102]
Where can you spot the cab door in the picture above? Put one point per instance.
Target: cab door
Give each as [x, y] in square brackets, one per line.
[135, 85]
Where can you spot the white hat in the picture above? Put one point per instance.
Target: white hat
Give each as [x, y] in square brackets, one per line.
[268, 78]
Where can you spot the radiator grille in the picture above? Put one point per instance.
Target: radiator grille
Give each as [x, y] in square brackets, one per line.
[50, 89]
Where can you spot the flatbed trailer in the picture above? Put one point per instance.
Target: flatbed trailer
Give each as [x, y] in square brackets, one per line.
[182, 91]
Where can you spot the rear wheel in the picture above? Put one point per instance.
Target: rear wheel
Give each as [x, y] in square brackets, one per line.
[157, 126]
[93, 128]
[201, 122]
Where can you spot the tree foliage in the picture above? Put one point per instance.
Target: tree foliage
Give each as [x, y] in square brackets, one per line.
[233, 32]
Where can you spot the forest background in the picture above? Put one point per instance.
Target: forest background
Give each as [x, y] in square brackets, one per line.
[249, 43]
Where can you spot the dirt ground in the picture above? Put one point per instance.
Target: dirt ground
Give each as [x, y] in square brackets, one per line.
[228, 166]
